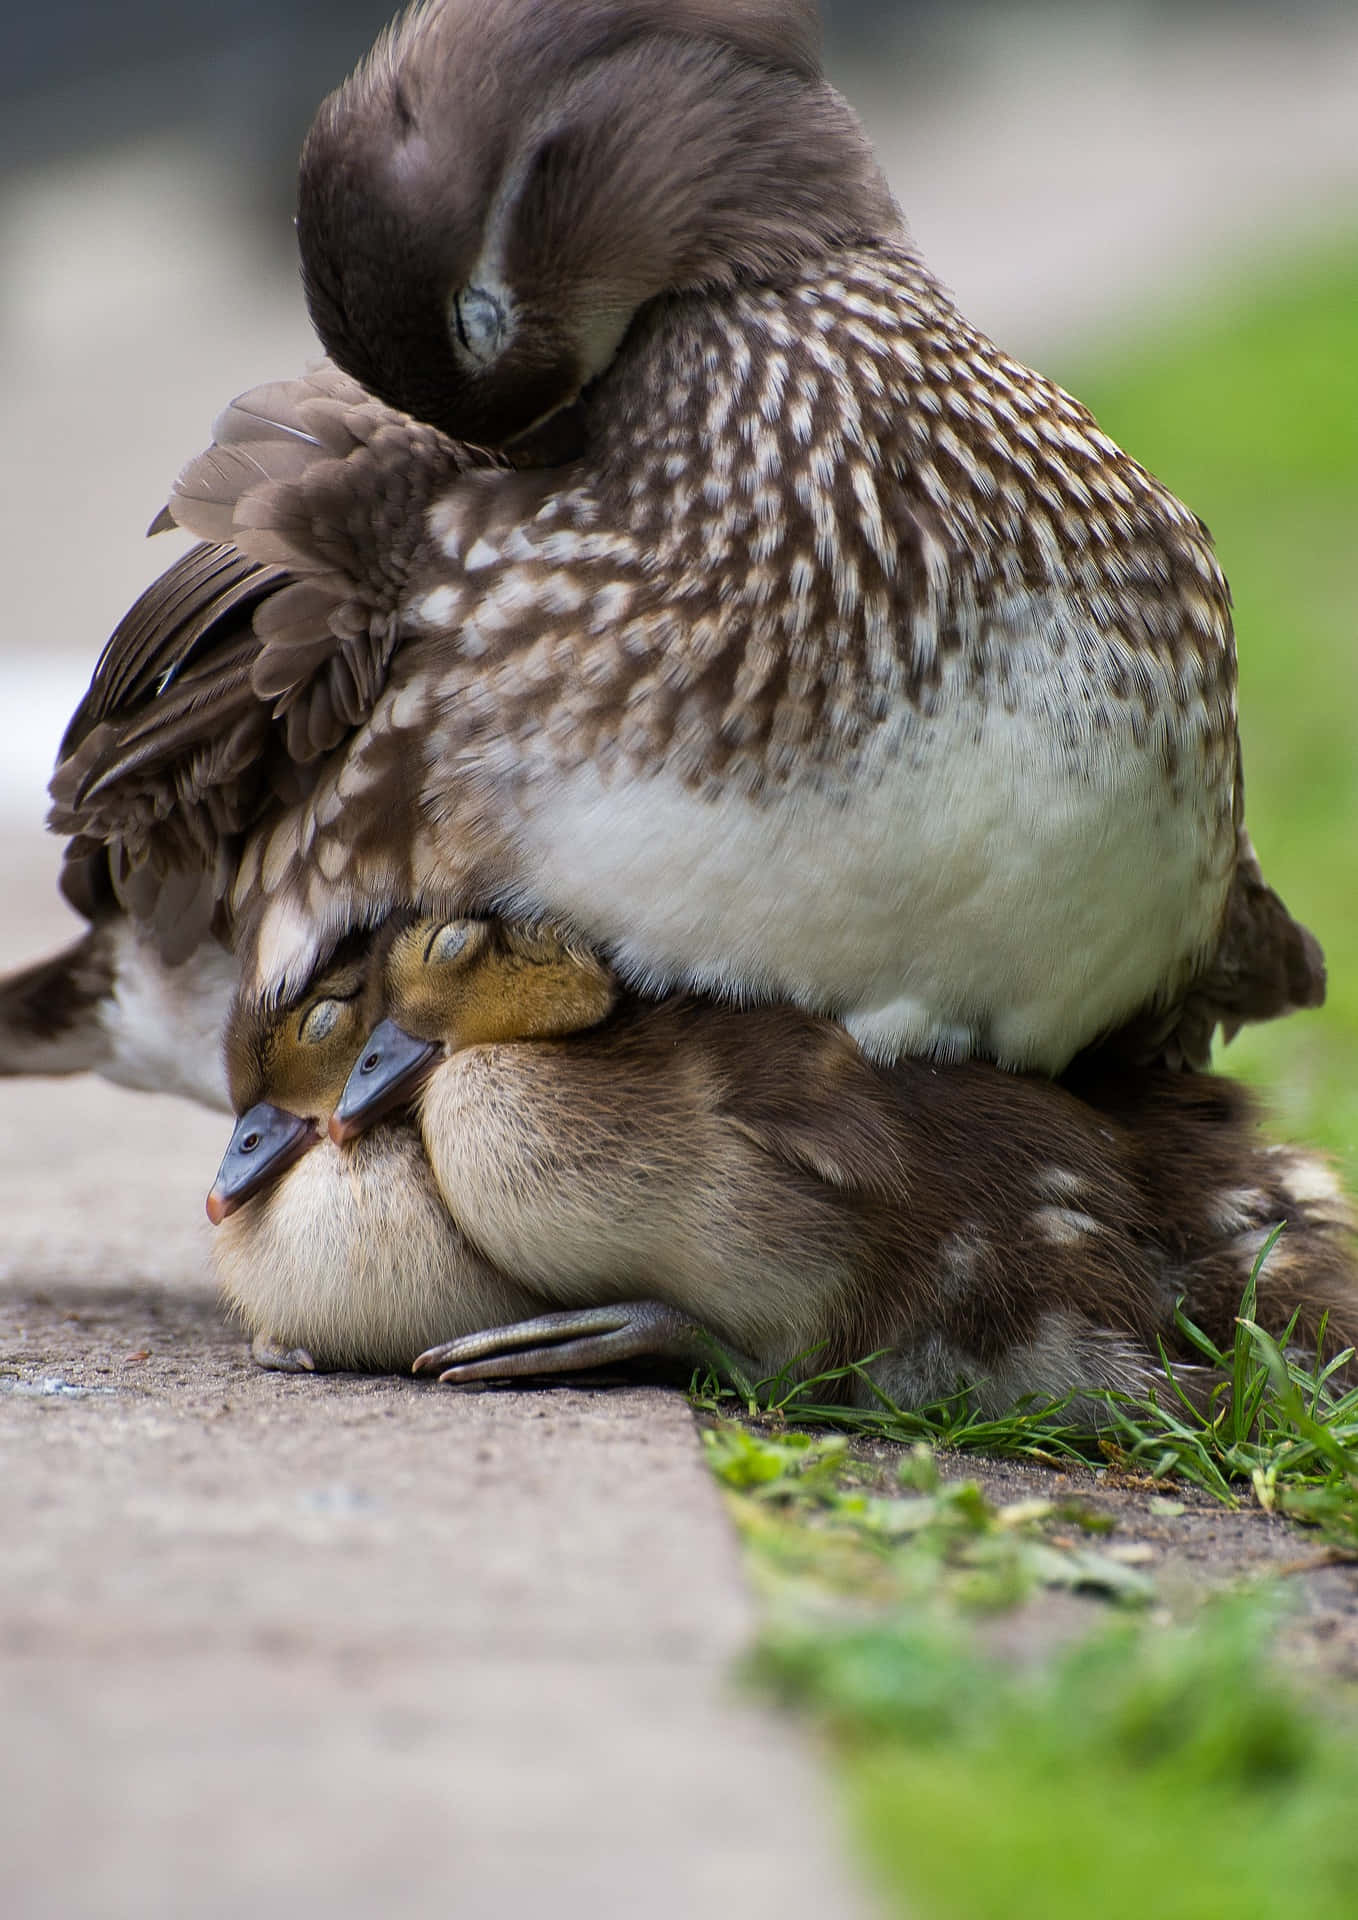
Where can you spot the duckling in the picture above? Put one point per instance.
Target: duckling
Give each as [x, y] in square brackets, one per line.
[773, 1193]
[334, 1258]
[787, 638]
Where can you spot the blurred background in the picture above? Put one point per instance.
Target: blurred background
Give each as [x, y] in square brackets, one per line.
[1156, 204]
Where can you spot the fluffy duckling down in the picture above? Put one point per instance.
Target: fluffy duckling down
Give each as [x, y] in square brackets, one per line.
[335, 1257]
[685, 1165]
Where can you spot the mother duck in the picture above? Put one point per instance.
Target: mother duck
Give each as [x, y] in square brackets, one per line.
[697, 575]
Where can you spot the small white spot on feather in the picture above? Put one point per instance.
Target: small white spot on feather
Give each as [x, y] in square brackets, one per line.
[1310, 1182]
[1064, 1226]
[438, 607]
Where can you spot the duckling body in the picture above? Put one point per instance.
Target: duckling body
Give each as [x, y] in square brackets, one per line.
[335, 1258]
[606, 1168]
[755, 1175]
[966, 1226]
[351, 1259]
[790, 640]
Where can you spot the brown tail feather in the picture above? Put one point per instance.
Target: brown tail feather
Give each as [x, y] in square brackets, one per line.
[110, 1004]
[1266, 963]
[49, 1012]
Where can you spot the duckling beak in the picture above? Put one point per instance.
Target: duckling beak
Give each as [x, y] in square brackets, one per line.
[266, 1142]
[390, 1068]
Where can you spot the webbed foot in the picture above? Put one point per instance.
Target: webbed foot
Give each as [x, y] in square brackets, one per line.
[268, 1354]
[569, 1342]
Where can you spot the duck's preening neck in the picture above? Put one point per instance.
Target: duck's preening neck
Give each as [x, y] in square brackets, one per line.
[480, 220]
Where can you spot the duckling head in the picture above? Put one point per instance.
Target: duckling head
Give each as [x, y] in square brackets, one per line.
[486, 203]
[452, 984]
[287, 1067]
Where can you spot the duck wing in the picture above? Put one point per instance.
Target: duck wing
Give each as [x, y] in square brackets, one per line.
[165, 754]
[257, 652]
[179, 614]
[316, 477]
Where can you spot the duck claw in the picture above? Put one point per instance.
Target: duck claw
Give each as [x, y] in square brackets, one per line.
[569, 1342]
[268, 1354]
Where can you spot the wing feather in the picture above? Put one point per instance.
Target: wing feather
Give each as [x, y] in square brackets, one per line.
[256, 652]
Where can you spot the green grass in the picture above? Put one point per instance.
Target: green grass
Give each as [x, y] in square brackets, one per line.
[812, 1525]
[1150, 1769]
[1259, 1423]
[1168, 1775]
[1256, 1422]
[1153, 1769]
[1249, 410]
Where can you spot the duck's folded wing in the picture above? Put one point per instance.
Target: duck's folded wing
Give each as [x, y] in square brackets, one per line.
[166, 753]
[256, 652]
[167, 686]
[158, 637]
[317, 478]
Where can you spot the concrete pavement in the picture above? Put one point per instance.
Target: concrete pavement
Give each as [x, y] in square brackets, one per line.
[347, 1647]
[342, 1646]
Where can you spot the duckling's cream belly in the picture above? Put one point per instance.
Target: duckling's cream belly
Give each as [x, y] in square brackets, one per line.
[352, 1256]
[596, 1178]
[1008, 882]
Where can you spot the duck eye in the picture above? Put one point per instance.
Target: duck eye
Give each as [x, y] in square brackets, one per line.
[478, 325]
[320, 1021]
[249, 1143]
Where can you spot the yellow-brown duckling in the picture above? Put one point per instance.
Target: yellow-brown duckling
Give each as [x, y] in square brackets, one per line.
[689, 1167]
[334, 1257]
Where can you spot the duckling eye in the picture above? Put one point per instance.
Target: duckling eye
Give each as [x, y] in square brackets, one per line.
[447, 941]
[478, 325]
[249, 1143]
[320, 1021]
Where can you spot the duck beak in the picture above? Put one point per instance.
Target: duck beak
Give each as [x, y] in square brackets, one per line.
[389, 1070]
[266, 1142]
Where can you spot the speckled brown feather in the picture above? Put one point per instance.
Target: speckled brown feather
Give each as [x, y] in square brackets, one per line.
[580, 645]
[822, 542]
[806, 501]
[316, 476]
